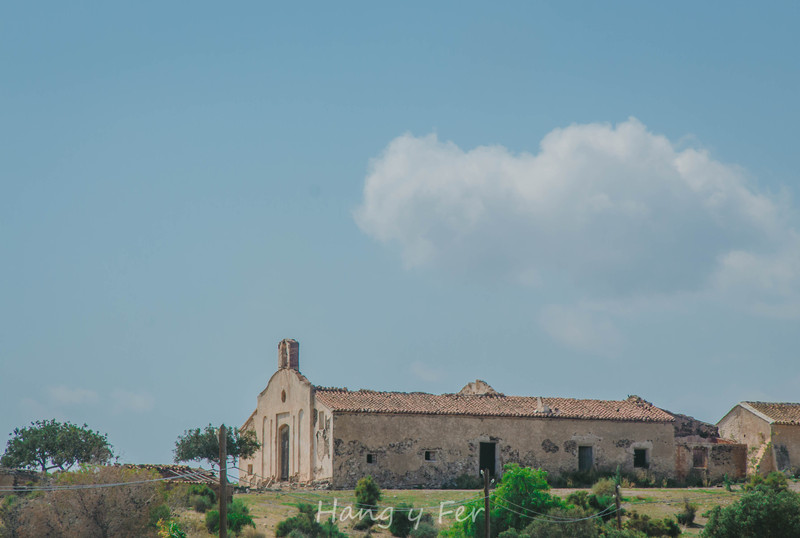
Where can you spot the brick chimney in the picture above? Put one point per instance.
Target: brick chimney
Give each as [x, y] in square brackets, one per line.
[289, 354]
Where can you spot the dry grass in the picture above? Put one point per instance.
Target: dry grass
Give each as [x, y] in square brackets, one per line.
[270, 507]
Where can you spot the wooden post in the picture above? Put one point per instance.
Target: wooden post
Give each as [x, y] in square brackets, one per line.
[619, 509]
[223, 482]
[486, 518]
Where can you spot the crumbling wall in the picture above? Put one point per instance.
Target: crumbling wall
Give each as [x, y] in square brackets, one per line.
[397, 446]
[721, 458]
[786, 446]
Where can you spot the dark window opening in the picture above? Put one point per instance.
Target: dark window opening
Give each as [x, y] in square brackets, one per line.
[487, 457]
[699, 457]
[585, 458]
[284, 453]
[371, 458]
[640, 458]
[249, 468]
[430, 455]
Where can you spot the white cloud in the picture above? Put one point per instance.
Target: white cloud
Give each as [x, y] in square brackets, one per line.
[606, 211]
[582, 330]
[125, 400]
[72, 396]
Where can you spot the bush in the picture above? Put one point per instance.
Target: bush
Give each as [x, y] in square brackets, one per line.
[605, 487]
[763, 511]
[686, 516]
[425, 529]
[544, 528]
[238, 518]
[367, 496]
[775, 481]
[401, 525]
[169, 529]
[653, 527]
[159, 512]
[305, 525]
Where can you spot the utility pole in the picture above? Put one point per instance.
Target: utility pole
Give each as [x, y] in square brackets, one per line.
[486, 519]
[223, 482]
[619, 508]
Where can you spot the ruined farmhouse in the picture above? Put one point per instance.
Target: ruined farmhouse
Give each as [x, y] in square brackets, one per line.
[336, 436]
[771, 432]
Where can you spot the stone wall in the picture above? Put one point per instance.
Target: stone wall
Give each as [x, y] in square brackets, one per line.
[716, 457]
[430, 450]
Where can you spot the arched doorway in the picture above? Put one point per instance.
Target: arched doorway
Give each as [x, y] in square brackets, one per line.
[283, 451]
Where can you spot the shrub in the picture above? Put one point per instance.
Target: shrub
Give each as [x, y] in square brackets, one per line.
[238, 518]
[425, 529]
[401, 525]
[305, 525]
[169, 529]
[367, 496]
[159, 512]
[653, 527]
[545, 528]
[605, 487]
[763, 511]
[201, 504]
[686, 516]
[579, 499]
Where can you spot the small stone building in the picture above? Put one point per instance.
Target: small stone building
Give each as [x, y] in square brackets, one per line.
[335, 436]
[771, 432]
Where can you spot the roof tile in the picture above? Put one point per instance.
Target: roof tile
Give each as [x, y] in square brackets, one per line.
[368, 401]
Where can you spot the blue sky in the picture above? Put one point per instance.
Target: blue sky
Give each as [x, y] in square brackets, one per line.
[583, 200]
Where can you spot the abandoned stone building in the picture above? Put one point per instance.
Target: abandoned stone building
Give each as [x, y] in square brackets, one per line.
[771, 432]
[336, 436]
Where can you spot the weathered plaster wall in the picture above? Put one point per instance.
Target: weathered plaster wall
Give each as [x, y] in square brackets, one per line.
[287, 401]
[786, 446]
[742, 426]
[721, 459]
[322, 447]
[398, 444]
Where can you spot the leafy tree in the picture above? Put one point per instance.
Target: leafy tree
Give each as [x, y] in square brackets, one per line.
[764, 512]
[48, 444]
[523, 493]
[367, 496]
[203, 444]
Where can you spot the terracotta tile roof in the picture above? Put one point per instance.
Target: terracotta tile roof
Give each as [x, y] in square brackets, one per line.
[780, 413]
[367, 401]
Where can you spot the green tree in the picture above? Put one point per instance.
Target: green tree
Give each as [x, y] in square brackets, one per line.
[49, 444]
[522, 495]
[367, 496]
[764, 512]
[203, 444]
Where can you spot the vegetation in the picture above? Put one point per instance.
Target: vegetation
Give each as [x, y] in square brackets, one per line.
[367, 496]
[203, 444]
[767, 509]
[238, 518]
[687, 515]
[49, 444]
[305, 525]
[88, 511]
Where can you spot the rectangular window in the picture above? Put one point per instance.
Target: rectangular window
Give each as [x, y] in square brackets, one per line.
[249, 468]
[321, 420]
[585, 458]
[699, 457]
[640, 458]
[371, 458]
[430, 455]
